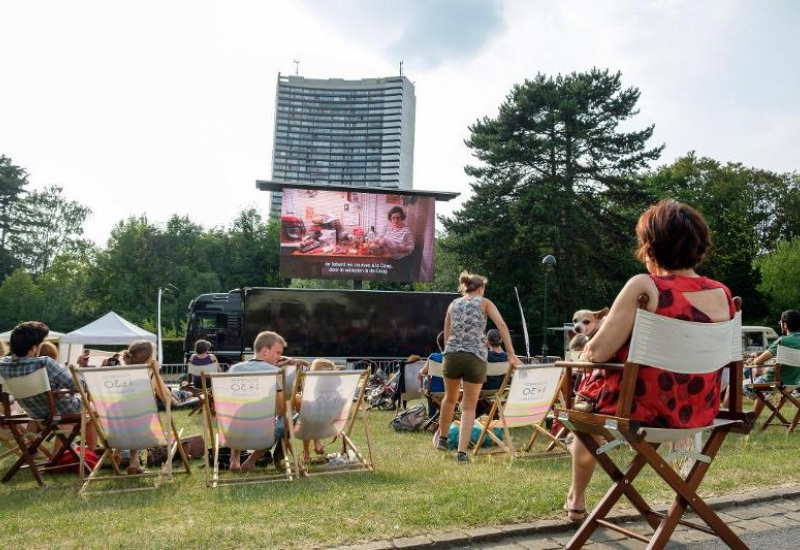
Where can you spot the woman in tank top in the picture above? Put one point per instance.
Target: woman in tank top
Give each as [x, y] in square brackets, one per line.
[465, 357]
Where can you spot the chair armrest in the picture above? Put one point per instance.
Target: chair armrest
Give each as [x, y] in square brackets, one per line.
[588, 365]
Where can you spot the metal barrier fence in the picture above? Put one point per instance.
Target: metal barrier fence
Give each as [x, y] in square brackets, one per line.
[174, 373]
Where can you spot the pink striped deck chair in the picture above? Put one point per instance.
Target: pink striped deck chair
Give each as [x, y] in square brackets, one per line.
[244, 405]
[120, 402]
[529, 398]
[331, 401]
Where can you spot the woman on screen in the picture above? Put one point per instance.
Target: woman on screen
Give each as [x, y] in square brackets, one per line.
[398, 241]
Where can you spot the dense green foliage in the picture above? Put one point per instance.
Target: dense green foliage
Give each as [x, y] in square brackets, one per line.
[561, 169]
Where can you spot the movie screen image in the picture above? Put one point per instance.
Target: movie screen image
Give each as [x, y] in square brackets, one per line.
[327, 234]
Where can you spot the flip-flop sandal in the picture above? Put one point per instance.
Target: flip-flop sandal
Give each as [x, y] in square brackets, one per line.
[579, 514]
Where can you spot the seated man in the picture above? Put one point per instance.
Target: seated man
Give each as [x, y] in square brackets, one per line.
[268, 347]
[25, 342]
[790, 376]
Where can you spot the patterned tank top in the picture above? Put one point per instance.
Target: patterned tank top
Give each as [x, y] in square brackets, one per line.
[467, 327]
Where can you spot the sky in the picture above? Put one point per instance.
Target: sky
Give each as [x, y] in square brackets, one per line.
[164, 108]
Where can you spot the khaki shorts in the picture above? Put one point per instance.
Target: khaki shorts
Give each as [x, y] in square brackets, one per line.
[466, 365]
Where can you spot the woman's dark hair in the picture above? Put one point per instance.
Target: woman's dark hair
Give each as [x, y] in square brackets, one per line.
[440, 341]
[469, 282]
[673, 234]
[396, 210]
[202, 346]
[791, 318]
[26, 335]
[493, 337]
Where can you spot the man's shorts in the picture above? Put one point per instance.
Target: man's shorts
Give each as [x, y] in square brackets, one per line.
[466, 365]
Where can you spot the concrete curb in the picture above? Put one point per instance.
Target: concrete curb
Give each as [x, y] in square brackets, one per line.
[460, 537]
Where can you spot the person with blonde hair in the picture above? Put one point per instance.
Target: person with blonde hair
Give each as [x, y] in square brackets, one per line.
[465, 356]
[50, 350]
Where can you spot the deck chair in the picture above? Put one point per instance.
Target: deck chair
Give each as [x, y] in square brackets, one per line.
[195, 373]
[435, 380]
[245, 407]
[787, 358]
[29, 439]
[408, 386]
[121, 404]
[532, 393]
[328, 410]
[677, 346]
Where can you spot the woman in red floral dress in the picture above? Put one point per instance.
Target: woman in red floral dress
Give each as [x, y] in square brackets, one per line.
[673, 239]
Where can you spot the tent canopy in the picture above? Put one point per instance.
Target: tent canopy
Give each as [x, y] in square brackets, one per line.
[108, 329]
[54, 336]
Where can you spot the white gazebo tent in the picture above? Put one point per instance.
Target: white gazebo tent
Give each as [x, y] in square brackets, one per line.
[108, 330]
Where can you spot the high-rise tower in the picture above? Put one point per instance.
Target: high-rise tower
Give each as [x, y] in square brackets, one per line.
[343, 132]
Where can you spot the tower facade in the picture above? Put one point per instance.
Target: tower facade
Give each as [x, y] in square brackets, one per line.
[343, 132]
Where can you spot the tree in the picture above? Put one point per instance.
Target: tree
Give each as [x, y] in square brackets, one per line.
[780, 276]
[742, 207]
[53, 225]
[556, 175]
[20, 299]
[13, 180]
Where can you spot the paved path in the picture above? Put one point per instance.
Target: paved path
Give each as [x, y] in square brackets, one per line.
[767, 519]
[762, 525]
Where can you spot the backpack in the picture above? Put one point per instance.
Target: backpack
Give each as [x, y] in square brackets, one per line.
[410, 420]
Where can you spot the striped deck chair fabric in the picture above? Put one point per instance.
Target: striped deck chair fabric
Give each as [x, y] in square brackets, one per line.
[245, 407]
[331, 401]
[531, 395]
[125, 406]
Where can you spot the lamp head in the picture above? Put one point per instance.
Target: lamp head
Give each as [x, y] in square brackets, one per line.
[549, 260]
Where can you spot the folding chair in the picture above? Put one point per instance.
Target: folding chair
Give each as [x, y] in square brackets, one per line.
[677, 346]
[120, 402]
[29, 440]
[435, 380]
[196, 372]
[329, 410]
[245, 406]
[787, 360]
[532, 393]
[408, 387]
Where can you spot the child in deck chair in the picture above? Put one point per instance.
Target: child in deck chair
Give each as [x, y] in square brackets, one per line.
[316, 366]
[268, 347]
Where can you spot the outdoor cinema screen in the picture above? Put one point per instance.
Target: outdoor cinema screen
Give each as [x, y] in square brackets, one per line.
[329, 234]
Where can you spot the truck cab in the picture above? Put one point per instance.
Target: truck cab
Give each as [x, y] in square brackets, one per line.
[217, 318]
[757, 339]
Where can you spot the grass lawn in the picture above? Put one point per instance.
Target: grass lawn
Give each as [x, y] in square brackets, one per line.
[415, 489]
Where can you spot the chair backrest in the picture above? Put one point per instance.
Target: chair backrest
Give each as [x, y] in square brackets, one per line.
[497, 369]
[246, 407]
[531, 394]
[435, 368]
[198, 370]
[680, 346]
[411, 387]
[326, 402]
[787, 356]
[737, 346]
[495, 374]
[290, 371]
[29, 385]
[125, 405]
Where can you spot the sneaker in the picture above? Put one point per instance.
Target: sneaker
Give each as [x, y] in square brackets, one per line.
[441, 444]
[462, 458]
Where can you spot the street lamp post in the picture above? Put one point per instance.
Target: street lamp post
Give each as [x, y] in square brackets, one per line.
[548, 261]
[161, 291]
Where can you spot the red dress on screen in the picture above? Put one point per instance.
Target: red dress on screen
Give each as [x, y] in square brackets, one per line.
[667, 399]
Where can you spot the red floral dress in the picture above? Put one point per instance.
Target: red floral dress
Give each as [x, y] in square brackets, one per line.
[666, 399]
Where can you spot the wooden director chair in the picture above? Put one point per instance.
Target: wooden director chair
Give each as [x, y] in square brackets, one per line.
[532, 393]
[787, 358]
[120, 402]
[328, 410]
[680, 347]
[245, 408]
[30, 433]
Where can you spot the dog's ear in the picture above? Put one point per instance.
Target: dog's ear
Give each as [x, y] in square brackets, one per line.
[600, 314]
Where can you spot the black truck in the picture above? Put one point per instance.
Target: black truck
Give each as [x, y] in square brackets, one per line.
[340, 324]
